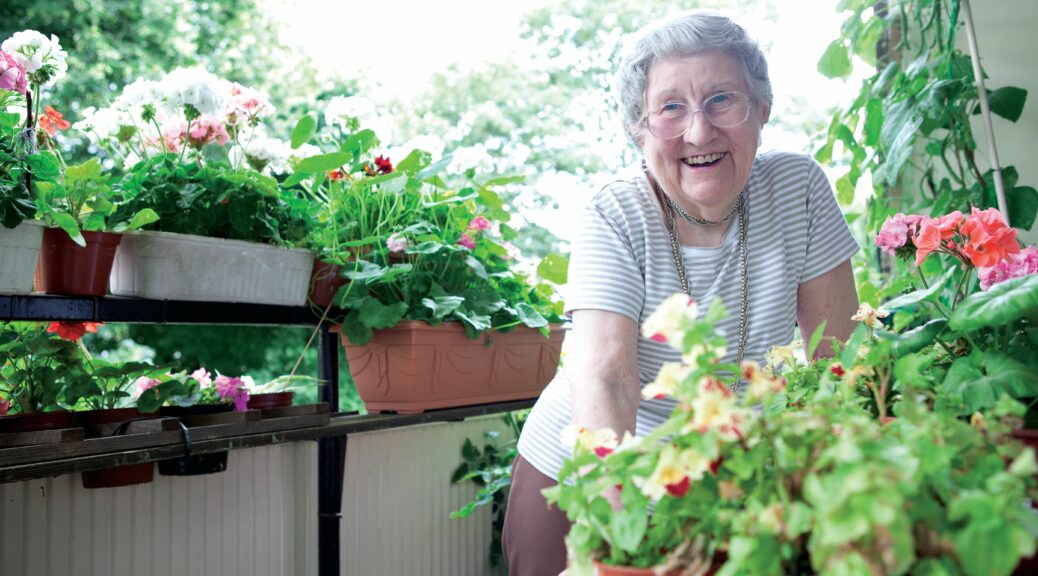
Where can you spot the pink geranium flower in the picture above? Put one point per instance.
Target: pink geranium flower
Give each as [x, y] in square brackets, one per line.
[206, 129]
[5, 405]
[896, 230]
[233, 389]
[246, 105]
[479, 223]
[1023, 263]
[203, 377]
[467, 242]
[144, 383]
[396, 243]
[12, 74]
[988, 238]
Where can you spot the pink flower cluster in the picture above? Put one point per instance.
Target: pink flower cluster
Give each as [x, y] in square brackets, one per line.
[232, 389]
[206, 129]
[981, 239]
[5, 405]
[12, 74]
[246, 105]
[1022, 263]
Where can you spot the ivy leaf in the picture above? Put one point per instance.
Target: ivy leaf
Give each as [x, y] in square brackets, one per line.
[359, 143]
[897, 136]
[442, 306]
[980, 378]
[303, 131]
[844, 190]
[873, 121]
[835, 61]
[376, 315]
[1001, 305]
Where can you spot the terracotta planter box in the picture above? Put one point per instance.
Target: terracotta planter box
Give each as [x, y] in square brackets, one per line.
[414, 367]
[67, 268]
[115, 476]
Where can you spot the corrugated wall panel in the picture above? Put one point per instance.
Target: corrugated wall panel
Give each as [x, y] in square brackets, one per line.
[257, 518]
[397, 499]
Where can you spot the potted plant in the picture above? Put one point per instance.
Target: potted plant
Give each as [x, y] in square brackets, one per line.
[20, 235]
[225, 230]
[783, 479]
[434, 314]
[38, 363]
[276, 393]
[192, 398]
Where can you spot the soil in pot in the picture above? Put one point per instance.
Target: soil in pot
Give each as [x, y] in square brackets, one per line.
[194, 464]
[115, 476]
[67, 268]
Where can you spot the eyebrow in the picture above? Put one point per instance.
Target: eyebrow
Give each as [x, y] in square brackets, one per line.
[725, 86]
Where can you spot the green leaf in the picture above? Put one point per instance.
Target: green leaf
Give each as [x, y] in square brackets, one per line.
[503, 180]
[434, 168]
[1022, 204]
[303, 131]
[375, 315]
[359, 143]
[844, 190]
[920, 295]
[322, 163]
[1001, 305]
[835, 61]
[918, 338]
[554, 268]
[530, 316]
[900, 126]
[70, 226]
[1007, 102]
[89, 170]
[442, 306]
[142, 218]
[628, 528]
[873, 121]
[816, 339]
[982, 377]
[44, 166]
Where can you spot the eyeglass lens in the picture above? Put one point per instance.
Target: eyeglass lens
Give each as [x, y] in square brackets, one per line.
[723, 110]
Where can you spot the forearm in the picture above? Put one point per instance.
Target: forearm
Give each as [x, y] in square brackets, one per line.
[598, 403]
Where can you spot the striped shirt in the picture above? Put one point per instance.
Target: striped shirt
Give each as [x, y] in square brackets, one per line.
[622, 262]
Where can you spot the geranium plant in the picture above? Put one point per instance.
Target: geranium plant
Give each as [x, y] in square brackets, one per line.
[770, 481]
[188, 389]
[194, 151]
[974, 325]
[416, 248]
[37, 364]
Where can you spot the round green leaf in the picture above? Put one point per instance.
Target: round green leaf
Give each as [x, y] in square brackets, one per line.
[1000, 305]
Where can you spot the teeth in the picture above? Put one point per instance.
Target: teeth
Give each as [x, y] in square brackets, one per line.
[705, 159]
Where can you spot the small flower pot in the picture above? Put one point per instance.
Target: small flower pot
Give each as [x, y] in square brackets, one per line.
[414, 367]
[325, 281]
[194, 464]
[608, 570]
[37, 421]
[270, 400]
[127, 475]
[67, 268]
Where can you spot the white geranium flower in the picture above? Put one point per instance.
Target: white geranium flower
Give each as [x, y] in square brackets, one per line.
[138, 94]
[194, 87]
[42, 57]
[343, 111]
[470, 157]
[264, 153]
[103, 123]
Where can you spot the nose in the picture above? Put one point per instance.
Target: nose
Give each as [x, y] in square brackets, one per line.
[700, 130]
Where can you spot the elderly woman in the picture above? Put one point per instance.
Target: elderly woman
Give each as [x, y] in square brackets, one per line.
[710, 217]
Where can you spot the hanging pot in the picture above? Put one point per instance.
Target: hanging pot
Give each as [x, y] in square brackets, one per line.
[193, 464]
[67, 268]
[325, 281]
[117, 475]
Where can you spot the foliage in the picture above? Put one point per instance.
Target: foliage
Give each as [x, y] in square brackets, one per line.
[491, 470]
[36, 367]
[920, 99]
[414, 249]
[788, 478]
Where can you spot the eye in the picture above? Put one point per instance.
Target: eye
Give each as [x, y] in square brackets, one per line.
[671, 109]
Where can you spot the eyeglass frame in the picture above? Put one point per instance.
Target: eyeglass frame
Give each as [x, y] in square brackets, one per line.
[750, 100]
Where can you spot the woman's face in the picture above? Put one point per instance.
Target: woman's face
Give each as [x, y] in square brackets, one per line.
[705, 169]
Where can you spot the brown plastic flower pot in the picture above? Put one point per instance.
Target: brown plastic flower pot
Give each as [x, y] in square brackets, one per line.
[270, 400]
[414, 367]
[115, 476]
[67, 268]
[37, 421]
[325, 281]
[608, 570]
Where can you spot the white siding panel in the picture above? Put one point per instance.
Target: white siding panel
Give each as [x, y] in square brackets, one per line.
[397, 500]
[257, 518]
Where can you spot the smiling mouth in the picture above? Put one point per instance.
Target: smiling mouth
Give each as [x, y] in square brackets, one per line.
[704, 160]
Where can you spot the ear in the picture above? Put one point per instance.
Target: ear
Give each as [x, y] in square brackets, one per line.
[765, 113]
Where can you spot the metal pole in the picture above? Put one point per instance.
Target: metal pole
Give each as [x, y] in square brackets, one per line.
[985, 110]
[331, 459]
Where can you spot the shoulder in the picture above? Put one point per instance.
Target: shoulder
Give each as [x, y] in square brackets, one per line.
[625, 204]
[789, 165]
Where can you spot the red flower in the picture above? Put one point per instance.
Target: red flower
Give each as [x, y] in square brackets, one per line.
[837, 370]
[716, 465]
[467, 242]
[73, 331]
[5, 405]
[383, 165]
[603, 451]
[52, 121]
[989, 239]
[679, 489]
[336, 175]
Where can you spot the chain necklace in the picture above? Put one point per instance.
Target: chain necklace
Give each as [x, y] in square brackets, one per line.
[744, 273]
[702, 221]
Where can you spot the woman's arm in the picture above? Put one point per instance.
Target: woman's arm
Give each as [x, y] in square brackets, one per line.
[603, 371]
[830, 298]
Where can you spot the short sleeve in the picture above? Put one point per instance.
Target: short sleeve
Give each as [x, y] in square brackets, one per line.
[829, 239]
[604, 271]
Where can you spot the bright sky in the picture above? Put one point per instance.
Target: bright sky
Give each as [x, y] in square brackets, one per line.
[396, 44]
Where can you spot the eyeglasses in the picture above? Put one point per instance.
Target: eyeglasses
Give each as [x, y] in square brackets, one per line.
[723, 110]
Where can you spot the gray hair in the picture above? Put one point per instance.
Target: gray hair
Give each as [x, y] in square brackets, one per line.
[685, 34]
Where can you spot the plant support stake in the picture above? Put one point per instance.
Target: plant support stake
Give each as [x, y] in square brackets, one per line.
[985, 111]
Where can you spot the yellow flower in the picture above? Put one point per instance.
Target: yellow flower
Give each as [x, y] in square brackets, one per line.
[665, 323]
[761, 383]
[715, 407]
[670, 376]
[674, 473]
[601, 442]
